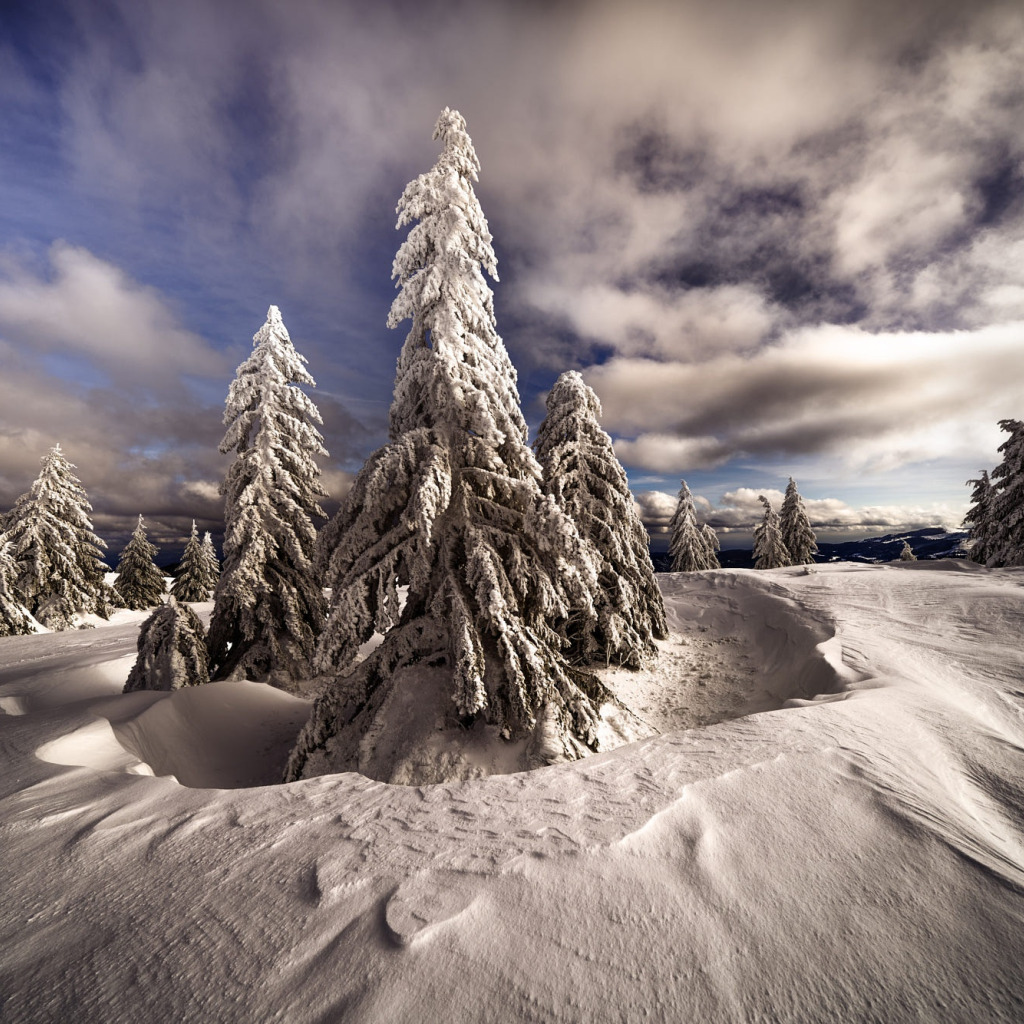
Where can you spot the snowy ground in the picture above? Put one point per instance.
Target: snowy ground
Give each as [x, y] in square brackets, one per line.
[857, 855]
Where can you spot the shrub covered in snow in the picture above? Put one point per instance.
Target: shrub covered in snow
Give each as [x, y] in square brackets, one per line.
[583, 475]
[140, 584]
[907, 553]
[269, 608]
[57, 556]
[453, 508]
[770, 551]
[172, 650]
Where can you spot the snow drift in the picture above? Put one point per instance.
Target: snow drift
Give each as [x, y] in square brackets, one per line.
[855, 855]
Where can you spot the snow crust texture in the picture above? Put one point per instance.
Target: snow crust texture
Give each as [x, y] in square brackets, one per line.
[857, 855]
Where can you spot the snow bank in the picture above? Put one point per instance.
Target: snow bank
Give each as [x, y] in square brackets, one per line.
[858, 858]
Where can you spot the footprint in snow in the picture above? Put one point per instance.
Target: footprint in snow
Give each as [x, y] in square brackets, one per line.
[422, 903]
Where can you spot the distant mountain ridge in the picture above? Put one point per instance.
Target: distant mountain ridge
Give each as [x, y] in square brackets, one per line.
[929, 543]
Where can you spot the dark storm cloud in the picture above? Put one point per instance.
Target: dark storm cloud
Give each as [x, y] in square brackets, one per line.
[732, 209]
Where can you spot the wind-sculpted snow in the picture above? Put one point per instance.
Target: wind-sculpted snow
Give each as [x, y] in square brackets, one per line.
[841, 859]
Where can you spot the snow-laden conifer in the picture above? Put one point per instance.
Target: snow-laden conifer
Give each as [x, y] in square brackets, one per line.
[212, 562]
[797, 534]
[453, 508]
[980, 521]
[583, 475]
[907, 553]
[691, 546]
[140, 584]
[1008, 501]
[192, 582]
[57, 556]
[172, 650]
[711, 545]
[14, 618]
[770, 551]
[269, 608]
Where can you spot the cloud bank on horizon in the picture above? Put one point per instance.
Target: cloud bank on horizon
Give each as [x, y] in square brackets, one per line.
[778, 238]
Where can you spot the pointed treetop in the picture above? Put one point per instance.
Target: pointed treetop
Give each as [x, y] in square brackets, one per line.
[458, 146]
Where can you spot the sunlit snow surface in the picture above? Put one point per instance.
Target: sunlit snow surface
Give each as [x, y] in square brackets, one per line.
[855, 857]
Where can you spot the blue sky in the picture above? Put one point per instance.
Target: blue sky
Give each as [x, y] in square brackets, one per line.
[778, 238]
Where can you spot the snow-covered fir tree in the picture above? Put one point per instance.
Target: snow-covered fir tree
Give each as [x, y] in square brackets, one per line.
[692, 547]
[14, 618]
[797, 534]
[770, 551]
[212, 562]
[453, 508]
[172, 650]
[980, 521]
[140, 584]
[907, 553]
[711, 545]
[192, 582]
[1008, 501]
[269, 607]
[583, 475]
[57, 556]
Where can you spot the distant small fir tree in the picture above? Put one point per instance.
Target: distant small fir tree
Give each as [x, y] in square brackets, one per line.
[907, 553]
[58, 574]
[212, 562]
[711, 545]
[192, 582]
[140, 584]
[770, 551]
[582, 474]
[692, 547]
[797, 534]
[172, 650]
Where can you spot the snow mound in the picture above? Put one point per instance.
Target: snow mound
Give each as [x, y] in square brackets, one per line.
[222, 735]
[858, 859]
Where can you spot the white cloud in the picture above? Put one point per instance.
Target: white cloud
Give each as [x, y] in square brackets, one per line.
[868, 399]
[92, 310]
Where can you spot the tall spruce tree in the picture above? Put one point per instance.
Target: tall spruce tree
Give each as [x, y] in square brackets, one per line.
[269, 608]
[980, 521]
[453, 508]
[797, 534]
[1008, 501]
[192, 582]
[770, 551]
[140, 584]
[14, 619]
[691, 547]
[581, 472]
[57, 556]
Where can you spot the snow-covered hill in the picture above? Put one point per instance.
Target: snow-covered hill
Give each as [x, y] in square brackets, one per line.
[933, 542]
[855, 854]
